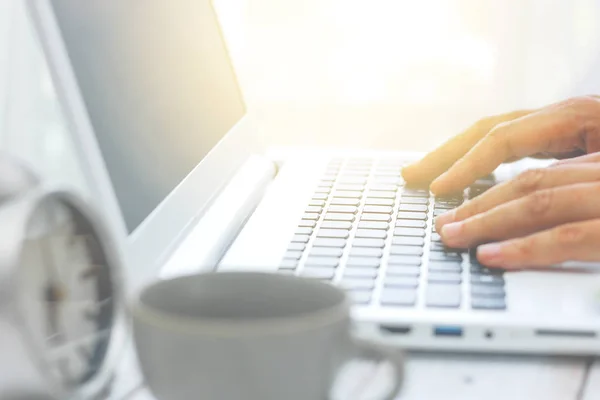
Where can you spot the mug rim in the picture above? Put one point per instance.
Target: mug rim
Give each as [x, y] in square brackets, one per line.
[226, 327]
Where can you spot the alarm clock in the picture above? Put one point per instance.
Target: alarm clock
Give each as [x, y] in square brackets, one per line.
[62, 319]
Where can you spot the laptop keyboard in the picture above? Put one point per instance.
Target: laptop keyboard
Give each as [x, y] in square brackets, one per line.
[367, 232]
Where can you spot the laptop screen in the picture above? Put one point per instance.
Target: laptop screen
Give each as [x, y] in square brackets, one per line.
[159, 88]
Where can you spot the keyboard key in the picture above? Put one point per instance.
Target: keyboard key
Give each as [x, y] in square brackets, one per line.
[360, 297]
[378, 209]
[326, 183]
[353, 180]
[288, 263]
[311, 216]
[437, 212]
[329, 178]
[322, 190]
[403, 270]
[482, 303]
[395, 173]
[496, 280]
[413, 207]
[406, 250]
[350, 188]
[367, 262]
[477, 269]
[375, 217]
[348, 193]
[373, 225]
[328, 242]
[293, 254]
[307, 223]
[404, 260]
[318, 273]
[383, 187]
[384, 194]
[339, 217]
[325, 252]
[371, 233]
[401, 281]
[370, 273]
[333, 233]
[375, 201]
[320, 196]
[336, 225]
[388, 180]
[284, 271]
[410, 192]
[343, 209]
[300, 238]
[366, 252]
[398, 297]
[487, 291]
[416, 232]
[412, 215]
[408, 241]
[317, 203]
[442, 256]
[304, 230]
[296, 246]
[435, 237]
[344, 201]
[444, 277]
[357, 284]
[410, 223]
[358, 172]
[414, 200]
[322, 262]
[362, 242]
[444, 296]
[438, 247]
[445, 266]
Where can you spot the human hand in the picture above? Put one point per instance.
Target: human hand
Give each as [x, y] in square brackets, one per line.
[566, 129]
[541, 217]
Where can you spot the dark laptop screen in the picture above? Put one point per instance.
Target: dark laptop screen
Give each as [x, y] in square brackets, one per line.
[158, 86]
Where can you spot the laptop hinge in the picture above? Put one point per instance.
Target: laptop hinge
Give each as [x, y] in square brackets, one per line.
[215, 230]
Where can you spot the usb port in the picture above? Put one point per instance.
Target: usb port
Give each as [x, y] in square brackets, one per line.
[447, 330]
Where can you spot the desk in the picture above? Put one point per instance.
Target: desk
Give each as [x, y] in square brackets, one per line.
[465, 377]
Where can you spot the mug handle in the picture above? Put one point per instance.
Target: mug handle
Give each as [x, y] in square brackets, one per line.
[370, 351]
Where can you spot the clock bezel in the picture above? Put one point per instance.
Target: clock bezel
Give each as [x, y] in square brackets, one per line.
[15, 217]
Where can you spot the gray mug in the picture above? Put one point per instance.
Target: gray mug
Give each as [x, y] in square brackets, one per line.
[247, 336]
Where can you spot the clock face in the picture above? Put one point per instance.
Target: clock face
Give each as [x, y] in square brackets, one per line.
[65, 293]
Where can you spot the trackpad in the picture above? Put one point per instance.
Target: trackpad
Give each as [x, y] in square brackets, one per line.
[551, 293]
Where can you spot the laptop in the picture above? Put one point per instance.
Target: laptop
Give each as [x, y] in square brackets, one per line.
[180, 168]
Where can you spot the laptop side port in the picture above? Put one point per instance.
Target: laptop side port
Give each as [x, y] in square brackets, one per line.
[396, 329]
[447, 330]
[565, 333]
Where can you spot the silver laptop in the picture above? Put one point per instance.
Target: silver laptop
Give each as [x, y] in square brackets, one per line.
[176, 161]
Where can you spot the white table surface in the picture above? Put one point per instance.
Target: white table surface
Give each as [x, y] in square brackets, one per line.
[556, 57]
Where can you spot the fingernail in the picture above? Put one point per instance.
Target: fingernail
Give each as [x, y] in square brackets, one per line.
[490, 253]
[444, 219]
[438, 184]
[451, 233]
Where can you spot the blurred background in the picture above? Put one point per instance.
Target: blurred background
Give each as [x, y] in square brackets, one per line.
[351, 73]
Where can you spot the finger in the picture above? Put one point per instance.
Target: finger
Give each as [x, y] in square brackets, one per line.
[542, 209]
[552, 130]
[524, 184]
[438, 161]
[589, 158]
[570, 242]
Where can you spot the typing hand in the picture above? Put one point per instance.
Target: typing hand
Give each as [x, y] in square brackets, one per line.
[566, 129]
[541, 217]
